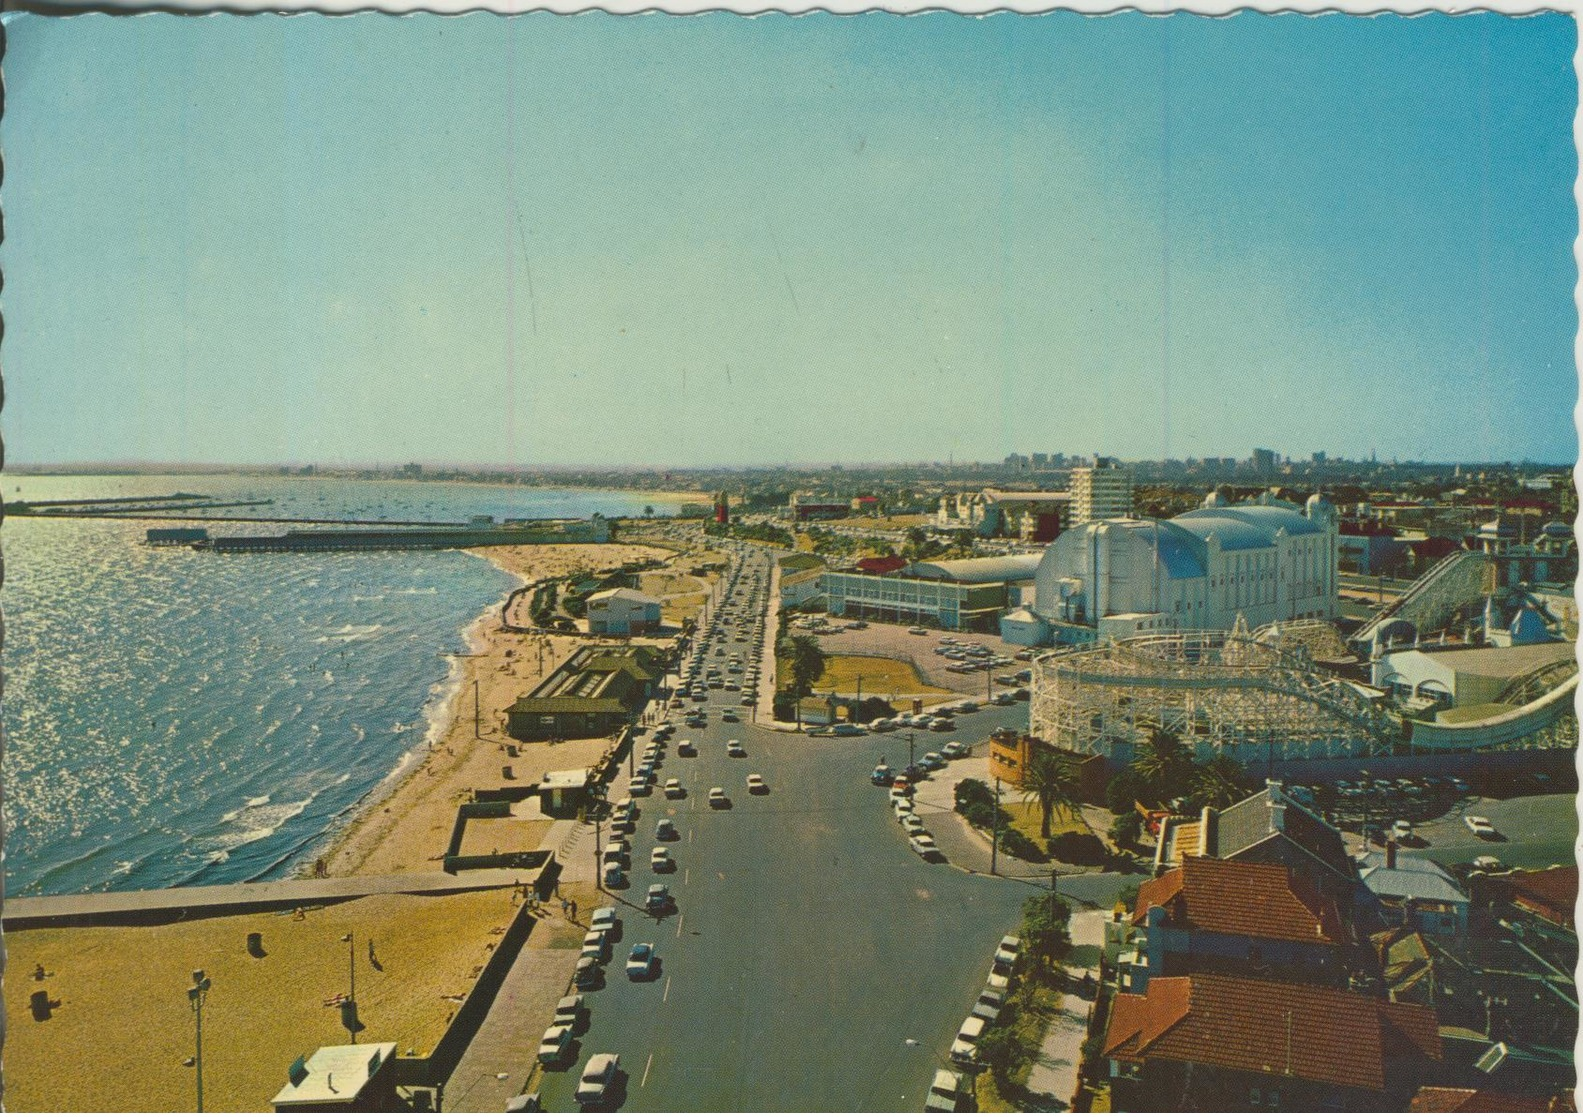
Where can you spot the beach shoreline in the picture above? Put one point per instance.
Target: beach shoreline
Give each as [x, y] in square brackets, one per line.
[402, 825]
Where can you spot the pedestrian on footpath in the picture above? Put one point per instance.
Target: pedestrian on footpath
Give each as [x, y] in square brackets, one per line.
[574, 911]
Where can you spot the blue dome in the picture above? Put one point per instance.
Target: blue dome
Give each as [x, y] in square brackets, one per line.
[1559, 529]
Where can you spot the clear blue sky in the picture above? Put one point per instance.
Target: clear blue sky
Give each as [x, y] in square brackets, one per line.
[713, 240]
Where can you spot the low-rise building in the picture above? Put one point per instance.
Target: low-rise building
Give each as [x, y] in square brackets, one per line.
[352, 1078]
[1218, 1042]
[595, 692]
[1414, 891]
[964, 595]
[622, 612]
[799, 579]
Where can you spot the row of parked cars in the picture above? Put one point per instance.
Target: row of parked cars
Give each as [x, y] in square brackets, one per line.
[951, 1091]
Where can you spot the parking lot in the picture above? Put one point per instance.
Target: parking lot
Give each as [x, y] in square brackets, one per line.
[893, 641]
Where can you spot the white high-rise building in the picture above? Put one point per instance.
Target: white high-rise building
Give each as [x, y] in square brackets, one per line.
[1102, 491]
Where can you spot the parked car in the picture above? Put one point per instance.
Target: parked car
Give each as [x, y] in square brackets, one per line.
[881, 776]
[989, 1004]
[954, 750]
[595, 947]
[1401, 828]
[915, 631]
[950, 1092]
[913, 824]
[932, 761]
[598, 1079]
[848, 730]
[923, 845]
[607, 921]
[570, 1012]
[964, 1049]
[1009, 950]
[588, 974]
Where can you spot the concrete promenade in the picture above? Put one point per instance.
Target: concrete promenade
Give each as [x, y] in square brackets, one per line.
[164, 904]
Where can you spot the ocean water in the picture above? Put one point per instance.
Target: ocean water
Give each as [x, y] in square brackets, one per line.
[174, 717]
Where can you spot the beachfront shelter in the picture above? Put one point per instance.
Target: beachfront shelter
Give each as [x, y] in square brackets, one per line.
[358, 1077]
[563, 793]
[597, 691]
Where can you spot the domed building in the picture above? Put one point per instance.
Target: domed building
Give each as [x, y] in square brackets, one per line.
[1266, 560]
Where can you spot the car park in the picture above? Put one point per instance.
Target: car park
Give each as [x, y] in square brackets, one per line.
[756, 785]
[556, 1046]
[598, 1079]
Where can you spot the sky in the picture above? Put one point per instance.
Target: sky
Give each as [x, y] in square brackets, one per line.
[713, 240]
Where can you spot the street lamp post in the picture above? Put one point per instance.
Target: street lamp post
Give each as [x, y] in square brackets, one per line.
[349, 1011]
[994, 841]
[197, 993]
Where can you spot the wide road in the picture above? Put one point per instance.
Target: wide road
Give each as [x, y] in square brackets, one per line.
[813, 962]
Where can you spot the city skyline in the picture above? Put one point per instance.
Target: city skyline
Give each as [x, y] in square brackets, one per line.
[910, 240]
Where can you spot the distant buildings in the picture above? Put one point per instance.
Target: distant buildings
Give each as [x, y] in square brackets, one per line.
[1266, 561]
[1034, 517]
[1102, 491]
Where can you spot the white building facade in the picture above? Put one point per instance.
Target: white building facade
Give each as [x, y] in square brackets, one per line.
[622, 612]
[1102, 491]
[1268, 561]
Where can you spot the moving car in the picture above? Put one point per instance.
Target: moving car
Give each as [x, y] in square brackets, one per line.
[734, 748]
[660, 860]
[556, 1045]
[756, 785]
[674, 789]
[658, 899]
[717, 798]
[685, 747]
[731, 716]
[642, 962]
[1480, 826]
[954, 750]
[665, 831]
[881, 776]
[598, 1077]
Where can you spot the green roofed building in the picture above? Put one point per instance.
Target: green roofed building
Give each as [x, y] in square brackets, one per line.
[594, 693]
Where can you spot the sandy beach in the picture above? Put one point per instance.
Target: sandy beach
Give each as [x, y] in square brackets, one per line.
[405, 825]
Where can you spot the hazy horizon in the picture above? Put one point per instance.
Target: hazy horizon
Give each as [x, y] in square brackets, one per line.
[544, 240]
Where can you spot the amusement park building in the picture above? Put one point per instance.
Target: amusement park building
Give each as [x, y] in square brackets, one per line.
[1267, 561]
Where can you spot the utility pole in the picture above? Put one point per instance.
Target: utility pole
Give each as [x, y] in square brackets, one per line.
[476, 734]
[987, 670]
[197, 993]
[910, 738]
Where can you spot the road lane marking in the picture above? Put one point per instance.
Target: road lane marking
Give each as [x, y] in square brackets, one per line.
[667, 994]
[679, 921]
[685, 874]
[646, 1067]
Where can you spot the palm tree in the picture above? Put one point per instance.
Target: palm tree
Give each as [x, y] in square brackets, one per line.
[1165, 762]
[1218, 783]
[1050, 779]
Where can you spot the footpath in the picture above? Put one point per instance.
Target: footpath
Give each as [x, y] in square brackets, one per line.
[1054, 1072]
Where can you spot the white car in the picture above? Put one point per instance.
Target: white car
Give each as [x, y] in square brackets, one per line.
[605, 921]
[964, 1049]
[673, 789]
[660, 860]
[555, 1045]
[599, 1074]
[1402, 829]
[756, 785]
[642, 962]
[1480, 826]
[912, 824]
[717, 798]
[1009, 950]
[734, 748]
[923, 845]
[989, 1004]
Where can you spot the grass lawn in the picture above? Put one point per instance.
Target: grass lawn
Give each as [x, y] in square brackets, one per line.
[1025, 817]
[879, 675]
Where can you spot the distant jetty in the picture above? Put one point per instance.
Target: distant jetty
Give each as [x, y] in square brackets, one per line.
[127, 507]
[481, 533]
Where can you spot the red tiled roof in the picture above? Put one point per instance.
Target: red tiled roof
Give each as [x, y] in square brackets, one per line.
[885, 564]
[1464, 1099]
[1270, 1027]
[1549, 893]
[1242, 898]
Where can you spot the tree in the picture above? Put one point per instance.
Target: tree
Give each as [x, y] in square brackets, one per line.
[1218, 784]
[1124, 790]
[807, 663]
[1050, 779]
[1046, 927]
[648, 509]
[1165, 763]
